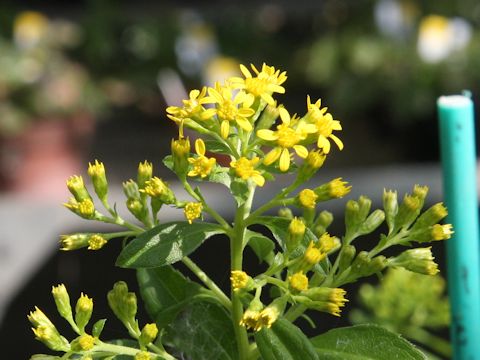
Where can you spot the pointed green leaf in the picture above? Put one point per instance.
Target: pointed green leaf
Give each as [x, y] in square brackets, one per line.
[165, 244]
[203, 331]
[364, 342]
[261, 245]
[239, 189]
[218, 147]
[98, 327]
[166, 292]
[284, 341]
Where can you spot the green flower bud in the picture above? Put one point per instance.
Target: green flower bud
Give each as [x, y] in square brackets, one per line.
[361, 264]
[285, 213]
[144, 174]
[324, 219]
[336, 295]
[420, 192]
[296, 232]
[96, 171]
[62, 300]
[180, 152]
[312, 163]
[351, 216]
[346, 256]
[77, 188]
[364, 204]
[268, 117]
[137, 209]
[130, 189]
[376, 265]
[38, 318]
[84, 208]
[148, 334]
[123, 303]
[430, 217]
[74, 241]
[408, 211]
[83, 312]
[373, 221]
[337, 188]
[390, 205]
[418, 260]
[51, 338]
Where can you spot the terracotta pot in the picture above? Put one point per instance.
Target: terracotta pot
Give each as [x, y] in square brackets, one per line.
[37, 162]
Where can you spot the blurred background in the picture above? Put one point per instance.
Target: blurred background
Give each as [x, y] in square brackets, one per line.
[91, 80]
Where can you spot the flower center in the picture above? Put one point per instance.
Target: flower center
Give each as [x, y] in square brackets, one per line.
[256, 86]
[287, 137]
[227, 111]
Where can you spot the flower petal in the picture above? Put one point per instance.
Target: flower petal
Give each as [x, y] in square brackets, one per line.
[266, 134]
[225, 129]
[337, 141]
[284, 115]
[301, 151]
[285, 160]
[272, 156]
[245, 71]
[200, 147]
[244, 124]
[258, 179]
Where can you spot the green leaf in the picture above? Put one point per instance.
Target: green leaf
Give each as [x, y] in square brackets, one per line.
[44, 357]
[261, 245]
[203, 331]
[220, 175]
[284, 341]
[166, 292]
[168, 162]
[364, 342]
[98, 328]
[165, 244]
[239, 189]
[218, 147]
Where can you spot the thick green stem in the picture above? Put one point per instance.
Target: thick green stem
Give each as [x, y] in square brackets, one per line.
[209, 283]
[237, 243]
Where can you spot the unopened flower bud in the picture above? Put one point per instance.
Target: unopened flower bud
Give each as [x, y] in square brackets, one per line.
[329, 300]
[420, 192]
[373, 221]
[180, 153]
[77, 188]
[148, 334]
[156, 188]
[51, 338]
[62, 300]
[307, 199]
[192, 211]
[296, 232]
[312, 163]
[347, 254]
[84, 342]
[96, 242]
[123, 303]
[130, 189]
[441, 232]
[408, 211]
[325, 218]
[361, 264]
[38, 318]
[390, 205]
[74, 241]
[144, 173]
[83, 311]
[328, 243]
[419, 260]
[84, 208]
[96, 171]
[298, 282]
[334, 189]
[268, 117]
[285, 213]
[137, 208]
[240, 280]
[430, 217]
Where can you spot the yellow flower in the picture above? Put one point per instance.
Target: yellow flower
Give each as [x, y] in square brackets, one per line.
[327, 242]
[202, 166]
[96, 242]
[313, 255]
[263, 85]
[239, 279]
[157, 188]
[193, 211]
[298, 281]
[84, 208]
[267, 317]
[86, 342]
[441, 232]
[142, 355]
[307, 198]
[250, 319]
[228, 108]
[192, 108]
[285, 137]
[325, 125]
[245, 169]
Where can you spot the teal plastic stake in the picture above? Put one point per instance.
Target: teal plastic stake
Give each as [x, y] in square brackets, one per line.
[457, 138]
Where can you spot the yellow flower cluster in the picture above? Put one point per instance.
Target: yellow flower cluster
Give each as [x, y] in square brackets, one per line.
[242, 111]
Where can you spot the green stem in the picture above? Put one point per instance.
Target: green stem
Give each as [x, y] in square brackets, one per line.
[275, 201]
[125, 350]
[209, 283]
[207, 208]
[237, 243]
[119, 221]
